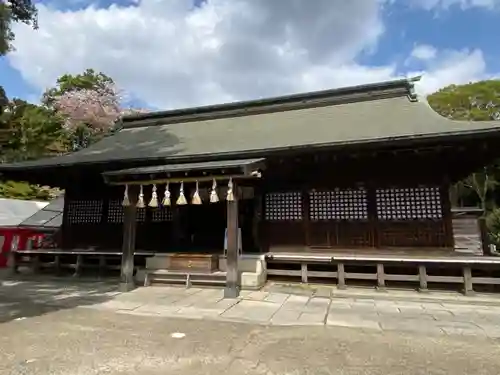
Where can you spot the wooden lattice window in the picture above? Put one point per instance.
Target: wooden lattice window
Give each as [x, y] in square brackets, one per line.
[116, 213]
[338, 204]
[161, 214]
[84, 211]
[286, 206]
[418, 203]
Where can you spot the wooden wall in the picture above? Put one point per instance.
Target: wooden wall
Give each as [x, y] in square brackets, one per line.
[357, 217]
[93, 218]
[320, 200]
[353, 201]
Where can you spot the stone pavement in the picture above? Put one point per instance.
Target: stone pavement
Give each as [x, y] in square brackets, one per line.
[431, 317]
[79, 341]
[433, 313]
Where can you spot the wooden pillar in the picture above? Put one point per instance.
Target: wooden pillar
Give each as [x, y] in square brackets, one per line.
[485, 241]
[176, 227]
[449, 240]
[127, 282]
[232, 289]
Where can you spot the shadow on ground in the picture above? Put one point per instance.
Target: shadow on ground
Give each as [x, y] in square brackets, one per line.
[26, 297]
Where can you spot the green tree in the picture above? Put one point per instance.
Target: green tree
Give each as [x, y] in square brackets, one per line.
[88, 80]
[89, 103]
[30, 132]
[26, 191]
[479, 101]
[3, 99]
[11, 12]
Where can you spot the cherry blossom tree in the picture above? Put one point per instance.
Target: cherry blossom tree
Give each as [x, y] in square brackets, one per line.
[91, 105]
[97, 108]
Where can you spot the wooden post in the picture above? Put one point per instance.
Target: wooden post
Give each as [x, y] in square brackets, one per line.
[468, 287]
[422, 276]
[485, 241]
[127, 282]
[232, 289]
[78, 265]
[102, 265]
[35, 263]
[380, 276]
[12, 262]
[57, 264]
[340, 276]
[303, 268]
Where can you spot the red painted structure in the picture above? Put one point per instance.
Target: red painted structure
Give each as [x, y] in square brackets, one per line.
[8, 234]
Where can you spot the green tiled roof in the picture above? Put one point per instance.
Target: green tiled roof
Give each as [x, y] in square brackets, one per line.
[364, 114]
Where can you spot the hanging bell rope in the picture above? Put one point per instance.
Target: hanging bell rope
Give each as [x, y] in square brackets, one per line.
[140, 201]
[182, 198]
[154, 198]
[166, 197]
[126, 200]
[196, 196]
[230, 194]
[214, 198]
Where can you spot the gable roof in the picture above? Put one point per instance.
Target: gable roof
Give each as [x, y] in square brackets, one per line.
[50, 217]
[387, 111]
[14, 211]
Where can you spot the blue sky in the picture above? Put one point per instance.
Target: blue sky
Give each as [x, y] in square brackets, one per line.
[446, 29]
[191, 76]
[451, 29]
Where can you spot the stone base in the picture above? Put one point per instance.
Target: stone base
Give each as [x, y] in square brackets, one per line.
[252, 267]
[231, 292]
[253, 270]
[126, 287]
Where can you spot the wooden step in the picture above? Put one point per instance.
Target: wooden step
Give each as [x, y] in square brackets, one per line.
[185, 278]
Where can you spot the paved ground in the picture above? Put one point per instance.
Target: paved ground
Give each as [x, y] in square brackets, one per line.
[76, 341]
[435, 314]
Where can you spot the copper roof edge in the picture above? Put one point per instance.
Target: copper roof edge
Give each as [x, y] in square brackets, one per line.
[350, 94]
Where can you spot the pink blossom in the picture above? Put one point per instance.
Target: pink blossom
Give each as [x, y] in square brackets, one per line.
[97, 108]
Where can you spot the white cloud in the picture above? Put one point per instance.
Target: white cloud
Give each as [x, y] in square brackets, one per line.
[423, 52]
[170, 54]
[451, 67]
[464, 4]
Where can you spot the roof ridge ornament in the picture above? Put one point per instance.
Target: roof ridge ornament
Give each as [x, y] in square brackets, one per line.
[412, 94]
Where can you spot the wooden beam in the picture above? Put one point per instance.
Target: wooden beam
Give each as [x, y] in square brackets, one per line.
[127, 282]
[232, 289]
[180, 179]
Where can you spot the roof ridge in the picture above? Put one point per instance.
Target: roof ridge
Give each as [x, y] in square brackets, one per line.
[349, 94]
